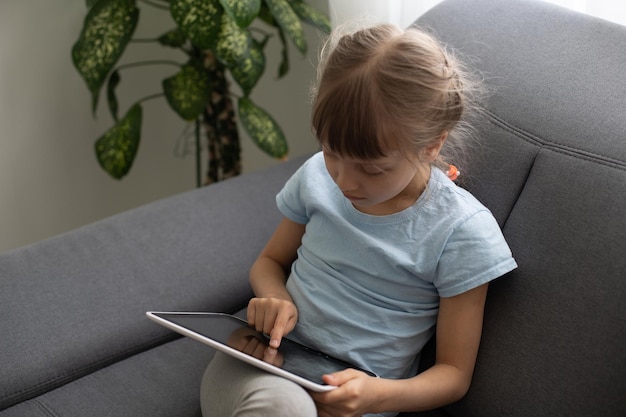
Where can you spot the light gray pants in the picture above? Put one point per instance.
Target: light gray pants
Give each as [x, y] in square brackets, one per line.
[231, 387]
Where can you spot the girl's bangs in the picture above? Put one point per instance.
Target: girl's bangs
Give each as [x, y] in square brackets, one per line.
[350, 122]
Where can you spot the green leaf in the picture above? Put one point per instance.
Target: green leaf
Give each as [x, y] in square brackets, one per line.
[233, 42]
[249, 70]
[106, 31]
[262, 128]
[241, 53]
[90, 3]
[188, 91]
[114, 80]
[266, 16]
[200, 20]
[117, 148]
[283, 69]
[288, 21]
[311, 15]
[242, 11]
[174, 38]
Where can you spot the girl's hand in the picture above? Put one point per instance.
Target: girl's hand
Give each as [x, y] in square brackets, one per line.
[356, 394]
[246, 340]
[273, 316]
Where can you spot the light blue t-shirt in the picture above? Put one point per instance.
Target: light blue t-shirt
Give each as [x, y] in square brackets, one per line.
[367, 287]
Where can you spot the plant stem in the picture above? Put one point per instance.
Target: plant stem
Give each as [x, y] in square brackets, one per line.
[143, 40]
[224, 152]
[144, 63]
[150, 97]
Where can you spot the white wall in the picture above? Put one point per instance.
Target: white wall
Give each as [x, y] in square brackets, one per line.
[50, 181]
[398, 12]
[404, 12]
[611, 10]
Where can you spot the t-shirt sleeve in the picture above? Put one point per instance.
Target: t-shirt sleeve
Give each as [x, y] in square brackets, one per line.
[474, 254]
[289, 199]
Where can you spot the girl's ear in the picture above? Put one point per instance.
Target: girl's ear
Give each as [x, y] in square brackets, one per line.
[431, 152]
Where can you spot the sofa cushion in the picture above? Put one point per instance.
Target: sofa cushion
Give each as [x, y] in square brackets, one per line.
[161, 382]
[76, 303]
[554, 331]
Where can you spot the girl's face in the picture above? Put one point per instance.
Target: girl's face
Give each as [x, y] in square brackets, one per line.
[380, 186]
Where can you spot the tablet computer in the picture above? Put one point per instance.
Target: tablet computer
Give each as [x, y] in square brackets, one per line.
[233, 336]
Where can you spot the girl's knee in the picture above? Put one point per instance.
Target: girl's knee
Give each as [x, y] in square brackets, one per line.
[277, 397]
[233, 388]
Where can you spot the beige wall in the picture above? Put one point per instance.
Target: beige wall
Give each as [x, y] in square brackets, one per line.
[50, 181]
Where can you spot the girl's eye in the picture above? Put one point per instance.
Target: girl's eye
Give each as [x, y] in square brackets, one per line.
[372, 171]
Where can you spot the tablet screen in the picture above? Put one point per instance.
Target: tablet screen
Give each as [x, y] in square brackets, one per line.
[235, 333]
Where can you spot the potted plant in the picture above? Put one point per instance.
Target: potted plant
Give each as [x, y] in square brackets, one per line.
[216, 38]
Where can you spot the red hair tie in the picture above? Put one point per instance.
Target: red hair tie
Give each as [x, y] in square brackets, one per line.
[453, 173]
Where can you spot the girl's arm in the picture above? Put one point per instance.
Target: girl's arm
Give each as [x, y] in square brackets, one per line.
[459, 328]
[273, 311]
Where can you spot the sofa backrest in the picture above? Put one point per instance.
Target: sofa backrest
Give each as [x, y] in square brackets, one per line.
[552, 168]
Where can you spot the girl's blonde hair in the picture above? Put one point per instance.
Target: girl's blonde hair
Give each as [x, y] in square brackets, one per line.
[382, 88]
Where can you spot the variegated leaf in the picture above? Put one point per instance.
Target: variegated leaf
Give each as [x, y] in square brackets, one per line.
[289, 22]
[242, 11]
[241, 53]
[106, 31]
[200, 20]
[262, 128]
[248, 71]
[311, 15]
[266, 16]
[233, 42]
[188, 91]
[117, 148]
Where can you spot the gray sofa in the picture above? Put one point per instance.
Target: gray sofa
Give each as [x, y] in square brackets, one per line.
[552, 168]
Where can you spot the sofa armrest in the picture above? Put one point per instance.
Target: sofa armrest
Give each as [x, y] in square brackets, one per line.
[75, 303]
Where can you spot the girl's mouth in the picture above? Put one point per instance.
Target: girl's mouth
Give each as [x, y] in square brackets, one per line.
[353, 198]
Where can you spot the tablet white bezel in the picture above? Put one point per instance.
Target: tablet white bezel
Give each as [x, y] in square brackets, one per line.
[308, 384]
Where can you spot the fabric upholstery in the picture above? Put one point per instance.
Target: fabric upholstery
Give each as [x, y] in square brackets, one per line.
[76, 303]
[160, 382]
[551, 166]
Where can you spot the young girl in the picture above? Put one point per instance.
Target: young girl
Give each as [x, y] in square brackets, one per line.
[378, 247]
